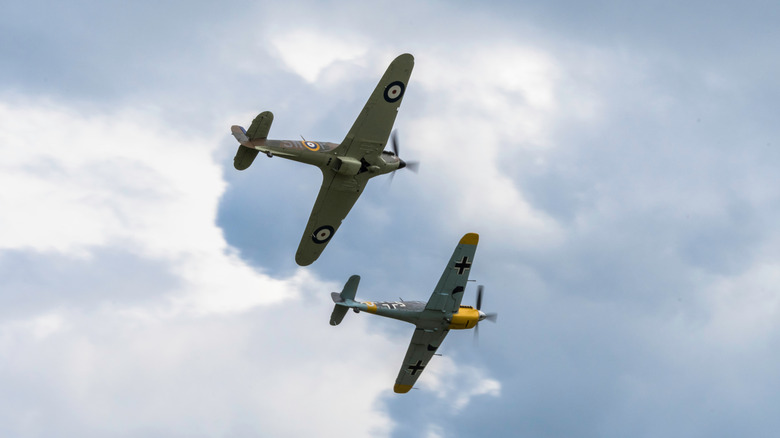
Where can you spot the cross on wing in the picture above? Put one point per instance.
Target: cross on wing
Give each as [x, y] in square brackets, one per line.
[434, 325]
[422, 347]
[413, 369]
[463, 265]
[449, 291]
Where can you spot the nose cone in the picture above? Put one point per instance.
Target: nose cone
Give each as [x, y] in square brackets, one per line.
[482, 315]
[401, 163]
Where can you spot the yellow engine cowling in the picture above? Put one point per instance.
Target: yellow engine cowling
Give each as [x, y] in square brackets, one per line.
[467, 317]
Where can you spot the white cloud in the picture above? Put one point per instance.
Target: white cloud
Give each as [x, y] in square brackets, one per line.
[108, 373]
[122, 180]
[308, 53]
[513, 88]
[482, 110]
[457, 383]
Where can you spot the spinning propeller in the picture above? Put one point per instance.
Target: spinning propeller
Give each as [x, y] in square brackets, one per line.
[411, 165]
[492, 317]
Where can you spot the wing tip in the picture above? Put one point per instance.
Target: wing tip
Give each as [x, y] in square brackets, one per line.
[401, 389]
[404, 58]
[470, 239]
[304, 259]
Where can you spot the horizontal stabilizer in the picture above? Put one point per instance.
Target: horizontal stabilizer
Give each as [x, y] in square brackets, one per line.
[338, 314]
[260, 126]
[344, 300]
[257, 130]
[244, 157]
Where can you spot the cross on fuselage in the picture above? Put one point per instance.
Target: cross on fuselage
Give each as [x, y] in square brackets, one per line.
[463, 265]
[415, 368]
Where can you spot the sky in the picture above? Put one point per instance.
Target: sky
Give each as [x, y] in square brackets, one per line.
[619, 161]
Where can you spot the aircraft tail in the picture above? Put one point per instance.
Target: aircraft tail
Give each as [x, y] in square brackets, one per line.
[344, 300]
[257, 130]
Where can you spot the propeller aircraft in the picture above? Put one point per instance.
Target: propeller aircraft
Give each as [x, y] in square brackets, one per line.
[433, 320]
[346, 167]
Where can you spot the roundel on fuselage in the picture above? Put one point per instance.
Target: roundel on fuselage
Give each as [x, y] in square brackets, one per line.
[311, 145]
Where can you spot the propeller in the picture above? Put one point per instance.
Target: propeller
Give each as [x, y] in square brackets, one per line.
[414, 166]
[492, 317]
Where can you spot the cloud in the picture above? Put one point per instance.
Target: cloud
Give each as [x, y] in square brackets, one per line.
[110, 372]
[123, 181]
[459, 383]
[217, 348]
[307, 53]
[623, 178]
[481, 112]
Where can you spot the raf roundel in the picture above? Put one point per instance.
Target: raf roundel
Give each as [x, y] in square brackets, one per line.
[322, 234]
[310, 145]
[394, 91]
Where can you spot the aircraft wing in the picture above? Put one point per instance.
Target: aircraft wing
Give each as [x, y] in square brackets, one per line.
[424, 343]
[449, 291]
[368, 135]
[337, 195]
[430, 332]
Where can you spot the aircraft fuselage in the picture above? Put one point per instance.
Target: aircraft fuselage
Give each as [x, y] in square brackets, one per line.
[325, 155]
[414, 312]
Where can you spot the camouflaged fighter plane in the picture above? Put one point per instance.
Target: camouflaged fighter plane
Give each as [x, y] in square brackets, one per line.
[432, 320]
[346, 167]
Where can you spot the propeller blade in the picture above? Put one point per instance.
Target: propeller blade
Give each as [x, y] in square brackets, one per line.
[394, 145]
[480, 290]
[492, 317]
[476, 334]
[414, 166]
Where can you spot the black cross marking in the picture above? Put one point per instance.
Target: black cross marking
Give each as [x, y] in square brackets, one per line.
[463, 265]
[415, 368]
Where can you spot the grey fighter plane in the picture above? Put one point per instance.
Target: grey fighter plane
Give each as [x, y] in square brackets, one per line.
[433, 320]
[347, 166]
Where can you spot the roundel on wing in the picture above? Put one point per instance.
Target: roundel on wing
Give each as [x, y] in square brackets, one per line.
[394, 91]
[322, 234]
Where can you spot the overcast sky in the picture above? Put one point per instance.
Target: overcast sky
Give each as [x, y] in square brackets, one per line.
[619, 161]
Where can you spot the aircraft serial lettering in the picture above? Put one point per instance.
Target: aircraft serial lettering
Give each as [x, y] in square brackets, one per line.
[391, 305]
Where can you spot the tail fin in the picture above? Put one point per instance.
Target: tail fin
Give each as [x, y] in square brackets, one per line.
[257, 130]
[343, 300]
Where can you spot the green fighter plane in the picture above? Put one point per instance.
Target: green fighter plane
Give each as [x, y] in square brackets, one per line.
[346, 167]
[432, 320]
